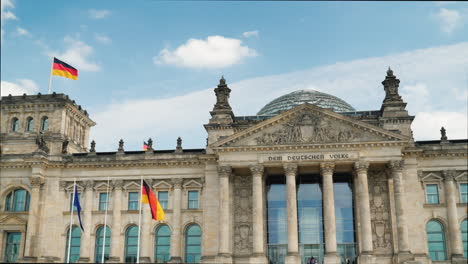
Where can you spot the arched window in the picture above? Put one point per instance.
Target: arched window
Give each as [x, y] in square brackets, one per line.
[131, 244]
[74, 245]
[436, 240]
[17, 201]
[30, 124]
[100, 243]
[45, 123]
[464, 231]
[15, 124]
[163, 244]
[193, 244]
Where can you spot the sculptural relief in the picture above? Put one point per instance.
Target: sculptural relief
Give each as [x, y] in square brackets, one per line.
[242, 215]
[380, 217]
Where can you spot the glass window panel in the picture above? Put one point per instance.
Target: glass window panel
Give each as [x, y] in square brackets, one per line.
[103, 201]
[276, 219]
[193, 244]
[30, 125]
[45, 123]
[163, 241]
[193, 199]
[19, 200]
[432, 194]
[74, 244]
[436, 240]
[464, 192]
[464, 230]
[100, 242]
[163, 198]
[12, 247]
[133, 201]
[8, 202]
[344, 216]
[131, 242]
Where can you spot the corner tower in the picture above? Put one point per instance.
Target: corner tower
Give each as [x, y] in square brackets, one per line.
[51, 123]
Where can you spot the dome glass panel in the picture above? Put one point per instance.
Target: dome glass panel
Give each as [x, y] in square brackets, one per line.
[296, 98]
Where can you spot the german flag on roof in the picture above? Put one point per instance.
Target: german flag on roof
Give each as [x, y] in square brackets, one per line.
[63, 69]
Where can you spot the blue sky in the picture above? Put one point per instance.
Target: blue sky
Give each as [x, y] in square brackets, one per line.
[147, 68]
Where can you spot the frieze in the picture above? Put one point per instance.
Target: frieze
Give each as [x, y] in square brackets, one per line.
[311, 156]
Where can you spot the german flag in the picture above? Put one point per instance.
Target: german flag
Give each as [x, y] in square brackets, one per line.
[147, 196]
[145, 145]
[63, 69]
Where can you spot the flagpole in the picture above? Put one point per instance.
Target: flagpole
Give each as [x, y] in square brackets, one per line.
[70, 230]
[50, 77]
[105, 222]
[139, 221]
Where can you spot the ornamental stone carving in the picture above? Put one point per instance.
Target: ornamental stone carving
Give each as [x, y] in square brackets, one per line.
[448, 175]
[36, 182]
[243, 241]
[224, 171]
[257, 169]
[396, 165]
[177, 182]
[308, 127]
[361, 166]
[118, 184]
[89, 184]
[380, 212]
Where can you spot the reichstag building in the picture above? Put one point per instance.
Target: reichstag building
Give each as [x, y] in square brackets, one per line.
[308, 175]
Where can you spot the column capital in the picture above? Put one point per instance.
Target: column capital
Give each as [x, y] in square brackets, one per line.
[36, 182]
[177, 182]
[224, 170]
[327, 167]
[396, 165]
[290, 168]
[361, 166]
[448, 175]
[118, 184]
[88, 184]
[257, 169]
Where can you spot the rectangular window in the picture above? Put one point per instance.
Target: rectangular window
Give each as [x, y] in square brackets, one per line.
[163, 198]
[464, 192]
[71, 201]
[12, 247]
[432, 194]
[133, 201]
[103, 201]
[193, 200]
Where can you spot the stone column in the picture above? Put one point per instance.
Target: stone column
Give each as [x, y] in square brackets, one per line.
[291, 209]
[116, 249]
[33, 218]
[331, 255]
[452, 216]
[257, 211]
[87, 222]
[364, 211]
[176, 238]
[396, 167]
[224, 235]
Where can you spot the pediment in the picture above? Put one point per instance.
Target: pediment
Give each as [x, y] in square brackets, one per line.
[102, 187]
[462, 176]
[431, 176]
[162, 185]
[132, 186]
[12, 220]
[69, 187]
[308, 124]
[192, 184]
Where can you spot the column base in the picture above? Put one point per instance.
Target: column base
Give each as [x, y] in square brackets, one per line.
[403, 257]
[113, 260]
[458, 259]
[175, 260]
[293, 258]
[259, 258]
[331, 258]
[366, 258]
[224, 258]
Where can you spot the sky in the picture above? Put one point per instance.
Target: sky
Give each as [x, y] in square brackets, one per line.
[148, 68]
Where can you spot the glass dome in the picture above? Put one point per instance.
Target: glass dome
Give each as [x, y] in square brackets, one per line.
[296, 98]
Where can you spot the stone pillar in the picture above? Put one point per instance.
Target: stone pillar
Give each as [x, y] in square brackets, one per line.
[396, 167]
[176, 238]
[87, 222]
[257, 211]
[33, 218]
[116, 249]
[452, 216]
[364, 211]
[331, 256]
[291, 209]
[224, 235]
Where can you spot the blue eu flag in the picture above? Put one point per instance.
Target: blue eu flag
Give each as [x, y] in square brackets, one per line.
[76, 203]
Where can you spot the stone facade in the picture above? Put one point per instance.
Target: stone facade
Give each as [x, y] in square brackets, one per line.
[390, 176]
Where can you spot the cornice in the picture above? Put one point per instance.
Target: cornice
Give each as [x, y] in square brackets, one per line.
[312, 146]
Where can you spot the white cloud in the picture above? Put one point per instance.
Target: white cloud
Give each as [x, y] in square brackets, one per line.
[98, 14]
[77, 54]
[6, 14]
[449, 20]
[22, 86]
[428, 73]
[22, 32]
[214, 52]
[102, 38]
[248, 34]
